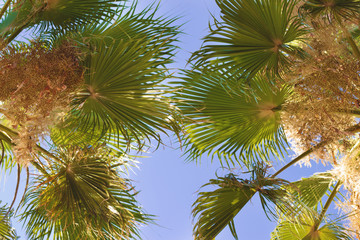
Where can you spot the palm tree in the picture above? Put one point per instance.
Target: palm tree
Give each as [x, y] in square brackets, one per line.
[83, 92]
[273, 74]
[88, 88]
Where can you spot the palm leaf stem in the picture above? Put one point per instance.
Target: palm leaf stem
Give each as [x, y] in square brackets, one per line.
[18, 30]
[26, 188]
[40, 168]
[350, 40]
[314, 228]
[13, 35]
[47, 153]
[4, 8]
[5, 138]
[289, 52]
[16, 191]
[2, 151]
[327, 205]
[301, 156]
[350, 111]
[353, 129]
[8, 131]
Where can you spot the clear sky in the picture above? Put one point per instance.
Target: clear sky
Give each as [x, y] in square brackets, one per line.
[168, 184]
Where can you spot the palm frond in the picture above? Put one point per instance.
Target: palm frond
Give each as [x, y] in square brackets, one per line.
[302, 229]
[311, 190]
[7, 22]
[6, 154]
[130, 100]
[129, 23]
[308, 223]
[216, 209]
[230, 119]
[6, 231]
[62, 14]
[66, 135]
[83, 198]
[117, 147]
[254, 35]
[331, 9]
[123, 95]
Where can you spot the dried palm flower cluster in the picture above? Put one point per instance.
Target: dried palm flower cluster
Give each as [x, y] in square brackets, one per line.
[326, 93]
[36, 87]
[327, 85]
[348, 172]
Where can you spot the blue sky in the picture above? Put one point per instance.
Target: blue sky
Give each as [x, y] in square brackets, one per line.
[167, 183]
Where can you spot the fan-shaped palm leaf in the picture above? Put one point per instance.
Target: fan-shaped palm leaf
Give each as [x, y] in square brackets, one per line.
[124, 69]
[255, 35]
[309, 224]
[117, 146]
[6, 231]
[82, 198]
[62, 14]
[303, 229]
[231, 119]
[131, 24]
[287, 230]
[308, 193]
[121, 91]
[214, 210]
[311, 190]
[330, 9]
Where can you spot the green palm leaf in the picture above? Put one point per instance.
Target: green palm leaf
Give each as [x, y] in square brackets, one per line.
[62, 14]
[308, 224]
[6, 154]
[82, 198]
[330, 9]
[306, 194]
[231, 120]
[311, 190]
[131, 24]
[121, 96]
[216, 209]
[254, 35]
[302, 230]
[6, 231]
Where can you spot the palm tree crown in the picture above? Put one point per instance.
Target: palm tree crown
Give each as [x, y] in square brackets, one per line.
[91, 86]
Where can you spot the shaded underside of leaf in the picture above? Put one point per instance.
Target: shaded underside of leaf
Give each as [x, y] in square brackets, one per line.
[231, 119]
[82, 198]
[254, 35]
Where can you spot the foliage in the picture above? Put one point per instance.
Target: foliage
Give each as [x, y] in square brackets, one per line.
[83, 196]
[303, 59]
[92, 86]
[217, 209]
[6, 231]
[232, 120]
[77, 98]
